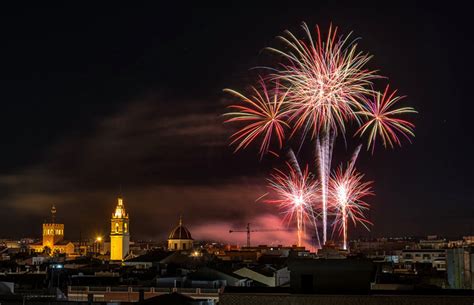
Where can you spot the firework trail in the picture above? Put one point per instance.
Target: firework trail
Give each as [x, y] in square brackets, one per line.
[263, 115]
[299, 210]
[324, 149]
[382, 120]
[296, 192]
[354, 157]
[311, 212]
[347, 192]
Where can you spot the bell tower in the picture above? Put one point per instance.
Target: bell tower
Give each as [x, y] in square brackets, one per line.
[52, 232]
[119, 233]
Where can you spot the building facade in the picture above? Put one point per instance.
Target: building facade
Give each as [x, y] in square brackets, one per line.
[435, 257]
[119, 232]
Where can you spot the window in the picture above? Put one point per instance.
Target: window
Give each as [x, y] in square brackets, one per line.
[175, 246]
[184, 246]
[116, 227]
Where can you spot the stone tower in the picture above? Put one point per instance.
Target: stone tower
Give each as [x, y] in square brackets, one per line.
[52, 232]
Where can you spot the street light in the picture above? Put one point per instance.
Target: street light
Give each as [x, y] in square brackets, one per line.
[98, 239]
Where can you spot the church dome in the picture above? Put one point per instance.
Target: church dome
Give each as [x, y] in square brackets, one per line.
[180, 232]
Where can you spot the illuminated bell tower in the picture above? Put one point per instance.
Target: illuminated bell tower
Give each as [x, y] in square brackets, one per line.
[119, 233]
[52, 232]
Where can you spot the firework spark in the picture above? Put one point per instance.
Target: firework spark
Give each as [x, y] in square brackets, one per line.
[264, 116]
[296, 191]
[347, 192]
[382, 120]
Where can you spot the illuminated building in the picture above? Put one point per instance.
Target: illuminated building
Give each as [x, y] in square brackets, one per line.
[180, 238]
[435, 257]
[53, 238]
[119, 233]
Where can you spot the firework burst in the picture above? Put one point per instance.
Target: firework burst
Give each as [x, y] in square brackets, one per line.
[347, 193]
[326, 78]
[263, 114]
[295, 192]
[382, 120]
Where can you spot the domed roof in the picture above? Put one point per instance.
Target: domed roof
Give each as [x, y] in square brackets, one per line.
[180, 232]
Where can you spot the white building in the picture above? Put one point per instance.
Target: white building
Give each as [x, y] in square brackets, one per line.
[267, 275]
[436, 257]
[433, 242]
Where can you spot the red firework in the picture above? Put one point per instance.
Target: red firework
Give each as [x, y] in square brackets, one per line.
[264, 115]
[296, 192]
[327, 79]
[382, 120]
[347, 191]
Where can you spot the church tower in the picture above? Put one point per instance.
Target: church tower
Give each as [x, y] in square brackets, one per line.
[52, 232]
[53, 238]
[119, 233]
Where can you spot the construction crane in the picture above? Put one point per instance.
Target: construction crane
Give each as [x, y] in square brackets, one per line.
[248, 231]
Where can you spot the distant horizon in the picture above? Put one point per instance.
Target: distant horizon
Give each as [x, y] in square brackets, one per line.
[407, 237]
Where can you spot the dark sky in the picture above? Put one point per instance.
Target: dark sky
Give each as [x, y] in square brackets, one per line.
[98, 99]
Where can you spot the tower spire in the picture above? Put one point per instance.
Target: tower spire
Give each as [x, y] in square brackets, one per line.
[180, 219]
[53, 214]
[120, 209]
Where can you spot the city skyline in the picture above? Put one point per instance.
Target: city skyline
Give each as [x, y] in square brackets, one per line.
[142, 113]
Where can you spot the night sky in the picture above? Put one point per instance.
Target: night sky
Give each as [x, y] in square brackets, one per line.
[102, 100]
